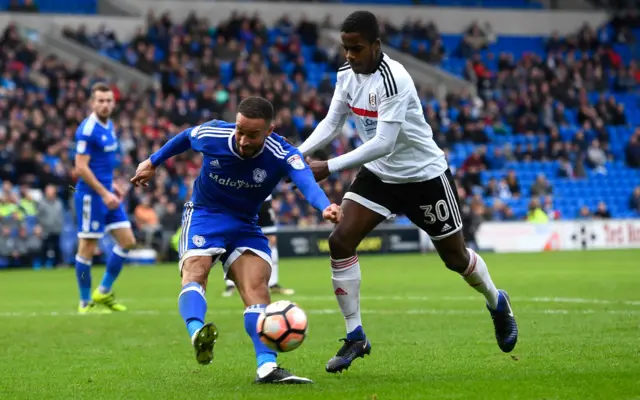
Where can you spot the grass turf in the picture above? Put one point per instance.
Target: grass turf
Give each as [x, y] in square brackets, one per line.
[578, 313]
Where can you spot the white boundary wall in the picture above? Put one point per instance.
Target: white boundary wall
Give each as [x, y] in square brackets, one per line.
[505, 237]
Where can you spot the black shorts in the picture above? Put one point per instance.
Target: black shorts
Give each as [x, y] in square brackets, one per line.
[267, 219]
[432, 205]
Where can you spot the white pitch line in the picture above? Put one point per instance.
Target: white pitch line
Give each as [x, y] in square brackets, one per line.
[327, 311]
[414, 298]
[574, 300]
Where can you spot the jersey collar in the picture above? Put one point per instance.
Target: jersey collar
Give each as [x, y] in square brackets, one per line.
[95, 117]
[234, 148]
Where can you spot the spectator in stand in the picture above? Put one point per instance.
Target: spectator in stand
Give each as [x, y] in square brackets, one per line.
[565, 170]
[536, 214]
[50, 218]
[146, 219]
[23, 6]
[596, 157]
[633, 150]
[504, 190]
[634, 201]
[19, 248]
[584, 213]
[43, 99]
[502, 212]
[602, 212]
[549, 209]
[513, 183]
[492, 190]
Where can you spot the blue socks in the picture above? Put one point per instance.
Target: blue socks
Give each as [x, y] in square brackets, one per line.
[193, 306]
[263, 353]
[83, 276]
[114, 266]
[356, 334]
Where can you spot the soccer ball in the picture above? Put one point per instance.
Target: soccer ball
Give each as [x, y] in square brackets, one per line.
[282, 326]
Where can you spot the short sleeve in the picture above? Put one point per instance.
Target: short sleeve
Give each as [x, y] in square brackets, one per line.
[395, 91]
[393, 108]
[193, 135]
[85, 141]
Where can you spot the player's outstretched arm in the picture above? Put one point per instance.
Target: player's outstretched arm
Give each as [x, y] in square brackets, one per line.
[379, 146]
[302, 177]
[147, 169]
[329, 127]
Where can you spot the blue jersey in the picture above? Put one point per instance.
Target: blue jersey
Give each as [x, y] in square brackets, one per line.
[98, 141]
[235, 185]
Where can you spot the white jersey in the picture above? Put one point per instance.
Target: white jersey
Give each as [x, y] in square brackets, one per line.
[389, 94]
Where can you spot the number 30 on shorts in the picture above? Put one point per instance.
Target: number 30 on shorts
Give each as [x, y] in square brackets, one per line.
[441, 209]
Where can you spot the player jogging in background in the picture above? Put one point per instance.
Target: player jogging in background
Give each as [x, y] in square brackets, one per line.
[267, 222]
[243, 162]
[402, 170]
[98, 203]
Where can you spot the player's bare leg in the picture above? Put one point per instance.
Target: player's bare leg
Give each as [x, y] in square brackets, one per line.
[251, 274]
[84, 259]
[457, 257]
[193, 306]
[274, 283]
[104, 294]
[356, 223]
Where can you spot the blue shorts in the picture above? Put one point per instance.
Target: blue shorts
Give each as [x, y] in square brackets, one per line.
[94, 218]
[220, 235]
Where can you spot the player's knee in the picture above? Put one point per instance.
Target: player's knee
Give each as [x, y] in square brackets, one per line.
[194, 270]
[128, 243]
[340, 245]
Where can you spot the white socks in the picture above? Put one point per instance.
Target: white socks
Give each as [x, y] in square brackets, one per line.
[273, 280]
[266, 368]
[346, 277]
[477, 276]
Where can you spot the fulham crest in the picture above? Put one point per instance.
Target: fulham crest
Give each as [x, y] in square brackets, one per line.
[372, 99]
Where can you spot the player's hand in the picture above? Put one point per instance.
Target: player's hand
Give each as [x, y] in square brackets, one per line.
[111, 200]
[320, 169]
[144, 173]
[333, 213]
[119, 192]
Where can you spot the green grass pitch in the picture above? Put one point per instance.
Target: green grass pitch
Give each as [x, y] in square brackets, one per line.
[578, 313]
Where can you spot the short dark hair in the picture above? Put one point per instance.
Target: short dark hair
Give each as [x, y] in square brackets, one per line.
[99, 87]
[255, 107]
[364, 23]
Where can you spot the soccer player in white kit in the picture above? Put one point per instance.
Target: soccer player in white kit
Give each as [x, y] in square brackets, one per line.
[402, 170]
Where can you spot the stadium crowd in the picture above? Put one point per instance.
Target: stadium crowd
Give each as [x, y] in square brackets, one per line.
[44, 99]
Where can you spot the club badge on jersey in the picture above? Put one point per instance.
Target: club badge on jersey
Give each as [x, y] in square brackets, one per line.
[296, 162]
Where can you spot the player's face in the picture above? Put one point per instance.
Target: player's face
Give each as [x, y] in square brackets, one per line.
[251, 134]
[103, 103]
[361, 55]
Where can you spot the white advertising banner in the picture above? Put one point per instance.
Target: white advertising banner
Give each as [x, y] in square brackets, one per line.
[505, 237]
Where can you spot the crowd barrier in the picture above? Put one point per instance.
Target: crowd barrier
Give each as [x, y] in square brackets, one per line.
[296, 242]
[503, 237]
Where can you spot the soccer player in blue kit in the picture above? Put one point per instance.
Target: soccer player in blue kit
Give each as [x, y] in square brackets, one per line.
[243, 162]
[98, 203]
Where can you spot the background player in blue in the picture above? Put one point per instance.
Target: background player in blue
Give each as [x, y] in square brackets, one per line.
[98, 203]
[242, 164]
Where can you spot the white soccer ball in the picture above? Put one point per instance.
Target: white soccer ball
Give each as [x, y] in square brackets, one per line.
[282, 326]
